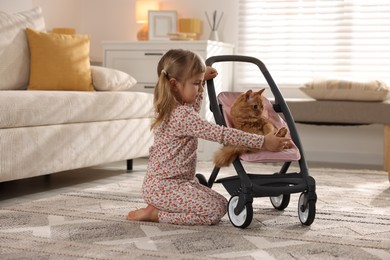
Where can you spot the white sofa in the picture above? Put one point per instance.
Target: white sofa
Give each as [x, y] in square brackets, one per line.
[43, 132]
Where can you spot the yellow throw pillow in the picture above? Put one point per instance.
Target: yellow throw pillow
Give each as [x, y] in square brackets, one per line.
[59, 62]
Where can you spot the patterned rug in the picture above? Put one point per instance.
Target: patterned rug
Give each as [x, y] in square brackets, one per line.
[352, 222]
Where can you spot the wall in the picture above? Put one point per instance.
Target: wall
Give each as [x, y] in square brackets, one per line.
[60, 13]
[12, 6]
[113, 20]
[359, 145]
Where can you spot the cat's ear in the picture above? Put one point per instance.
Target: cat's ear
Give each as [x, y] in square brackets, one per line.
[261, 91]
[248, 94]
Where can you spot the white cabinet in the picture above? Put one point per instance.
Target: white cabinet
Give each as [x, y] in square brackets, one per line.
[140, 59]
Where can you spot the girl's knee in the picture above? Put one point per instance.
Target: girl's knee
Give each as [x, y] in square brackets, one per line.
[215, 219]
[218, 213]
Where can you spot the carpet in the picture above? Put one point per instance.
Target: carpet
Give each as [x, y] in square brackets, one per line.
[352, 222]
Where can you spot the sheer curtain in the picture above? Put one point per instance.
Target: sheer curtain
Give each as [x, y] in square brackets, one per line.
[299, 40]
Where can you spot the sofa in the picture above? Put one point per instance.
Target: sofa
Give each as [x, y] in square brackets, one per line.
[57, 112]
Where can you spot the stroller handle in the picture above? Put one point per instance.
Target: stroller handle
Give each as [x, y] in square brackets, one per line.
[280, 104]
[240, 58]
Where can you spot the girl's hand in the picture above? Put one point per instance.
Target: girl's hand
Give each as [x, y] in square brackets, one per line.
[210, 73]
[274, 143]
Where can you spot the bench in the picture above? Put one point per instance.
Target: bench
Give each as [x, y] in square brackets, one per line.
[313, 111]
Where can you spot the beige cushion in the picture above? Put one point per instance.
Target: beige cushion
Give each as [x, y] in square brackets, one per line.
[14, 53]
[21, 108]
[59, 61]
[332, 89]
[106, 79]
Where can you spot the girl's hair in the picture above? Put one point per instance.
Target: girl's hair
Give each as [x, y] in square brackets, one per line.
[181, 65]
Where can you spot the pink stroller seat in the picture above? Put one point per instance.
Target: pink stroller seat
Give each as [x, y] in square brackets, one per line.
[226, 99]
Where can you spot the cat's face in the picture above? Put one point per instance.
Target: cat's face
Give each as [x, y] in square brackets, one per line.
[248, 104]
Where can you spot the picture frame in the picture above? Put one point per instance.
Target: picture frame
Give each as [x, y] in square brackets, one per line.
[161, 23]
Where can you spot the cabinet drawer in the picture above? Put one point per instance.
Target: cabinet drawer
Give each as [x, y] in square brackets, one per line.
[144, 87]
[139, 64]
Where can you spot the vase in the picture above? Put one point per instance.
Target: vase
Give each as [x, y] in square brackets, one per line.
[214, 35]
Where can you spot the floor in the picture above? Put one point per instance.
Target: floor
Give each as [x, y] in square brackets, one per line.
[46, 186]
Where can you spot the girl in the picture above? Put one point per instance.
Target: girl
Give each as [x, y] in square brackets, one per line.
[170, 188]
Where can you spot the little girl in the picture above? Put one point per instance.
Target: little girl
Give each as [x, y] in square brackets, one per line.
[170, 188]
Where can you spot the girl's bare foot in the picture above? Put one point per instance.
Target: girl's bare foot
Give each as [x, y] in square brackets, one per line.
[150, 213]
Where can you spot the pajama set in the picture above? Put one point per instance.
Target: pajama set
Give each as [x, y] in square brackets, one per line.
[170, 184]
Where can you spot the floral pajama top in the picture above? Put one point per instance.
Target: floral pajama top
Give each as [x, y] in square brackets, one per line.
[170, 184]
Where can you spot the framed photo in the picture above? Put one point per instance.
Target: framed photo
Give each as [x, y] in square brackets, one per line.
[161, 23]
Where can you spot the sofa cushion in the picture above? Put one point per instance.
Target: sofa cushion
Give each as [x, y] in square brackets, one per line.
[107, 79]
[21, 108]
[14, 52]
[59, 61]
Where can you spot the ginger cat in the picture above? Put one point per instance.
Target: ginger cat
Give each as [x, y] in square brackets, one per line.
[246, 114]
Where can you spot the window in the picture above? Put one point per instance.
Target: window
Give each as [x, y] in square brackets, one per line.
[299, 40]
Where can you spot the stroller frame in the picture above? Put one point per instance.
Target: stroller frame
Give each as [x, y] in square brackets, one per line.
[278, 186]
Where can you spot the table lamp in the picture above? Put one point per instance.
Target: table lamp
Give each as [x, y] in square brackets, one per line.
[142, 8]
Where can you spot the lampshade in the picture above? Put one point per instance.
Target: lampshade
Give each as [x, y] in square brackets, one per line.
[141, 9]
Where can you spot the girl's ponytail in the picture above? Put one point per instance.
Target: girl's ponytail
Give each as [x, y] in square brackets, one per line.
[164, 101]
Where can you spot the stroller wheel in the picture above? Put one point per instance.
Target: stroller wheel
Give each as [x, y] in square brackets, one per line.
[202, 180]
[306, 213]
[280, 202]
[243, 219]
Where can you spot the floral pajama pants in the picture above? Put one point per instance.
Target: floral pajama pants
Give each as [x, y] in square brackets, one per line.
[184, 202]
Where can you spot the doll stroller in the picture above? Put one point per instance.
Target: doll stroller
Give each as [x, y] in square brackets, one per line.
[278, 186]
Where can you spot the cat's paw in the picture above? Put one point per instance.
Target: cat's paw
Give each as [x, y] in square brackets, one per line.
[282, 132]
